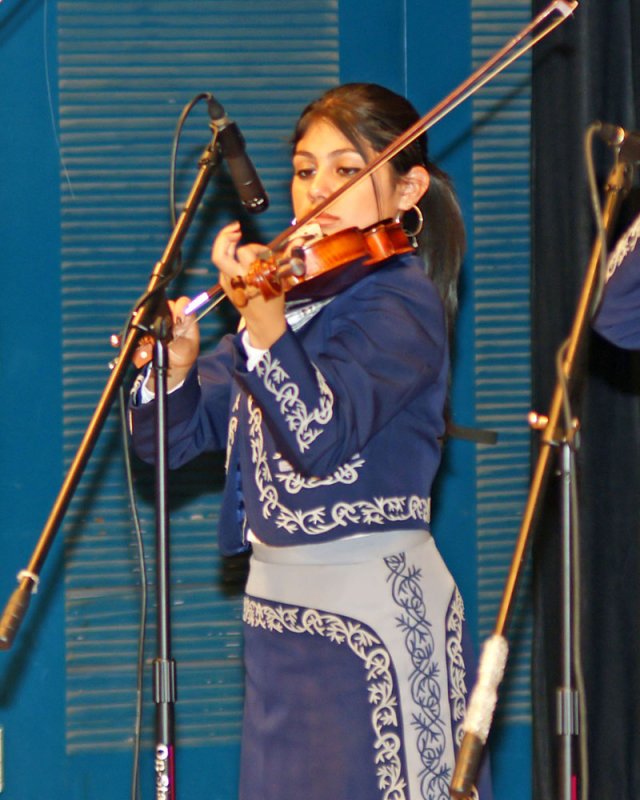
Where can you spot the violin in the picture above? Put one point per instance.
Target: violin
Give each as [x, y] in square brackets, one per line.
[315, 269]
[314, 263]
[310, 269]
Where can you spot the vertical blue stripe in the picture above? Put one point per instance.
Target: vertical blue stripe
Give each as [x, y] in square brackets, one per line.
[126, 70]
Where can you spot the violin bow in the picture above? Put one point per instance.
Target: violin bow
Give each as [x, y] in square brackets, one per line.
[537, 29]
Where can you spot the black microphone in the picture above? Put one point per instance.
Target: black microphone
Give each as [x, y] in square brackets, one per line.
[627, 143]
[243, 173]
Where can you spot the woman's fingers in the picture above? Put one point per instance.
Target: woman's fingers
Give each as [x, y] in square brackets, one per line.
[225, 245]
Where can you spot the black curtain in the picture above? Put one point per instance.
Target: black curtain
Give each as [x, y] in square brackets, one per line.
[588, 69]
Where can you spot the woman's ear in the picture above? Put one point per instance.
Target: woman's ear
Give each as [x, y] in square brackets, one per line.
[413, 185]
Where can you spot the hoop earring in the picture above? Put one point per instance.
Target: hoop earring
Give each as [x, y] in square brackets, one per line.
[413, 235]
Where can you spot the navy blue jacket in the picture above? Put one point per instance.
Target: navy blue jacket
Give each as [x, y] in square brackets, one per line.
[337, 430]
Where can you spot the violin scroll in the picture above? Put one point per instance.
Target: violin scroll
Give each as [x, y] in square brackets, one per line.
[271, 275]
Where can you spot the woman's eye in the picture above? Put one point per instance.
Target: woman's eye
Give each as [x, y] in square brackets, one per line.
[303, 173]
[348, 172]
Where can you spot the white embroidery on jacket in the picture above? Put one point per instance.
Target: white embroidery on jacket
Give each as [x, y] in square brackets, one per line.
[306, 424]
[376, 662]
[293, 482]
[298, 313]
[624, 247]
[232, 430]
[321, 519]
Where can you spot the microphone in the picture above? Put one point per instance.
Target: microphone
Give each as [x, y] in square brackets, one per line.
[627, 143]
[243, 173]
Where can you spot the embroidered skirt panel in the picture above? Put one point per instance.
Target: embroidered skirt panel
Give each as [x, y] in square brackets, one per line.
[356, 674]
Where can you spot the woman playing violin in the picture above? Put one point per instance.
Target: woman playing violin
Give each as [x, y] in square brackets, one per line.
[331, 409]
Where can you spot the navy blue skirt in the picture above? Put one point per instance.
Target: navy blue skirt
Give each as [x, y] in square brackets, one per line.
[356, 672]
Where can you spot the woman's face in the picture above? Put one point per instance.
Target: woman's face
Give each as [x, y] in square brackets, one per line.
[323, 160]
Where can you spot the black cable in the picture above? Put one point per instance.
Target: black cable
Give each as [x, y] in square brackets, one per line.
[173, 274]
[137, 730]
[597, 214]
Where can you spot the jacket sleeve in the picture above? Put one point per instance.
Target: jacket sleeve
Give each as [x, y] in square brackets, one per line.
[618, 317]
[197, 412]
[383, 344]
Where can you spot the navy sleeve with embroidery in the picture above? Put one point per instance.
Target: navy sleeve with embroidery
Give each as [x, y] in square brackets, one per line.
[367, 356]
[195, 425]
[618, 317]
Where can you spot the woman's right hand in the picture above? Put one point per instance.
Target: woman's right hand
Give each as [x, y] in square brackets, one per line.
[183, 348]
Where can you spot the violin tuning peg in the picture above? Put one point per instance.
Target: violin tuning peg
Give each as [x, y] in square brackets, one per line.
[297, 265]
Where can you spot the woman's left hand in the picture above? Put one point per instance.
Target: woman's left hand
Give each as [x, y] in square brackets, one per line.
[264, 319]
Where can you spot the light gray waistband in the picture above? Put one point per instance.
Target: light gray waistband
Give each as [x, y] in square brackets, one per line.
[350, 550]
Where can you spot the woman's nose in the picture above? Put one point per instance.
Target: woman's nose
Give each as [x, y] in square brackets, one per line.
[320, 186]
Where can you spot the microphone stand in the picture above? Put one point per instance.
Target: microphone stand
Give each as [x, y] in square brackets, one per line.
[493, 660]
[151, 317]
[164, 667]
[567, 695]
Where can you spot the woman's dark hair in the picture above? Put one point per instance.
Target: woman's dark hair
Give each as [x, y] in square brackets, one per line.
[371, 115]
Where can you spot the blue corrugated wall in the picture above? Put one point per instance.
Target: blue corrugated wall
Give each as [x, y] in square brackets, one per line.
[427, 61]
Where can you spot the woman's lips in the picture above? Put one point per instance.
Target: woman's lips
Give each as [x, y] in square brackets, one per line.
[325, 219]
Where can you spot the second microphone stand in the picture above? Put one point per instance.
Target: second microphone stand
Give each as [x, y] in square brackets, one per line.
[491, 669]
